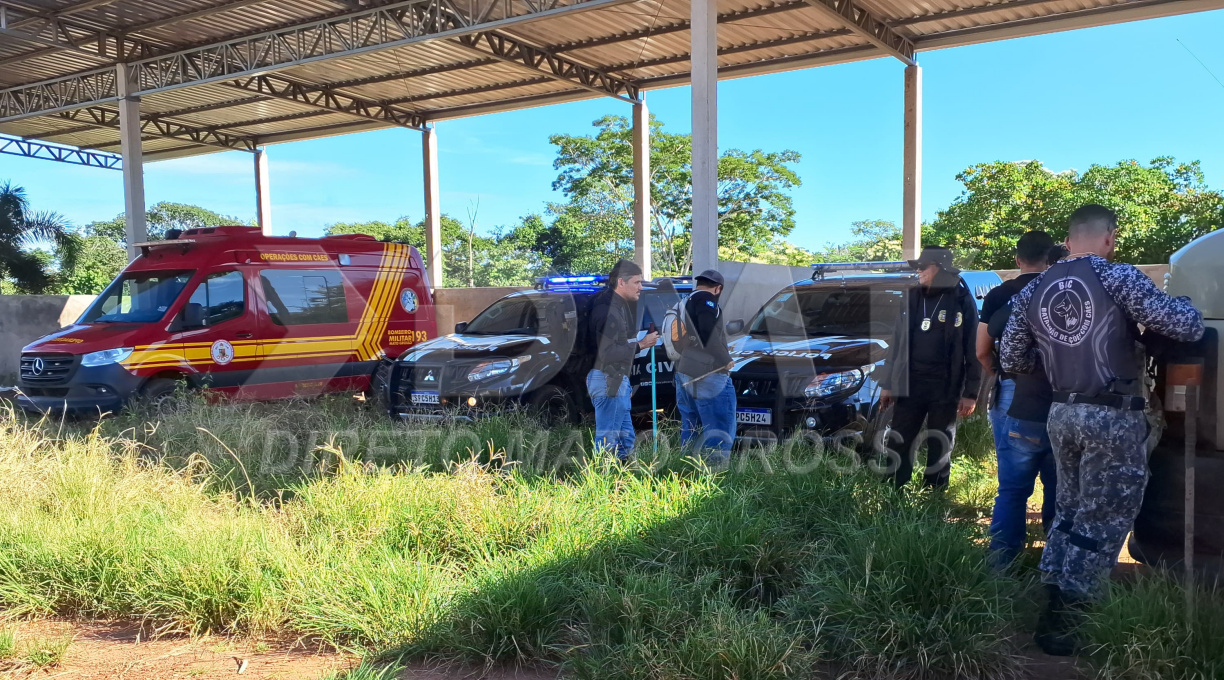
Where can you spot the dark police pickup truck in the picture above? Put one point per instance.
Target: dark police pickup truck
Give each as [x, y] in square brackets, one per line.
[808, 359]
[528, 349]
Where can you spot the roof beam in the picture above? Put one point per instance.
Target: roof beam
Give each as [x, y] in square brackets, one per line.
[23, 22]
[157, 126]
[529, 57]
[869, 26]
[735, 49]
[326, 97]
[392, 25]
[30, 149]
[676, 27]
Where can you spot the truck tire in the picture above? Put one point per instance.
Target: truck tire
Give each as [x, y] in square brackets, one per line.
[158, 396]
[553, 405]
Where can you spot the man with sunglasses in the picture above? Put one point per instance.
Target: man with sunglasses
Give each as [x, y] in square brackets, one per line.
[932, 373]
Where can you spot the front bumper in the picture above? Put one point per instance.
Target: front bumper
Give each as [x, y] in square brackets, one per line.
[88, 390]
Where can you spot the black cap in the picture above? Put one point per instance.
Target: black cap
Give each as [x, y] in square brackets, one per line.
[935, 255]
[710, 275]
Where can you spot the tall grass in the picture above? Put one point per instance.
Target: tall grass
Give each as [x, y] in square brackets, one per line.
[499, 543]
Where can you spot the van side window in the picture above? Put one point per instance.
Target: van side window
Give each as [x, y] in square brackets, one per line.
[298, 297]
[222, 295]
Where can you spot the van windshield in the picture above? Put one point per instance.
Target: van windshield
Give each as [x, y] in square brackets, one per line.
[863, 312]
[138, 297]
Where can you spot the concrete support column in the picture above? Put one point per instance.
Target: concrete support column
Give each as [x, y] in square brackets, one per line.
[911, 215]
[135, 229]
[641, 187]
[263, 199]
[433, 210]
[705, 133]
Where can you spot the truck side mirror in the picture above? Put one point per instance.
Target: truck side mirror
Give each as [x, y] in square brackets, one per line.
[193, 316]
[735, 327]
[461, 326]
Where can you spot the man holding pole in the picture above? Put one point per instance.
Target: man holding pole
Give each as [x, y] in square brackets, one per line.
[705, 395]
[1081, 314]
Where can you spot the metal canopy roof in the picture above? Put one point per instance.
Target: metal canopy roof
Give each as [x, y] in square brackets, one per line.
[232, 74]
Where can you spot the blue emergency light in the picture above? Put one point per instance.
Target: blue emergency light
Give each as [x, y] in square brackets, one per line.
[586, 280]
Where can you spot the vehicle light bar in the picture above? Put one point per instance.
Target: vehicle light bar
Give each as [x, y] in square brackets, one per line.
[586, 279]
[146, 246]
[820, 269]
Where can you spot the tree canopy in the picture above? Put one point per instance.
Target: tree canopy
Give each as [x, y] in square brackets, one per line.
[1161, 207]
[24, 267]
[755, 210]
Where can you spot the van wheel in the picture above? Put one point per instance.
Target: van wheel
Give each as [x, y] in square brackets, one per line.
[158, 396]
[553, 405]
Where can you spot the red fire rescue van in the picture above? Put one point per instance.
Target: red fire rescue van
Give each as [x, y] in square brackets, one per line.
[230, 310]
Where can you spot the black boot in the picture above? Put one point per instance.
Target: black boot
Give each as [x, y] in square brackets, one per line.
[1058, 629]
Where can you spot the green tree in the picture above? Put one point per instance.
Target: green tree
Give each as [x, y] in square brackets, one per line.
[161, 218]
[498, 260]
[24, 266]
[99, 260]
[596, 175]
[1161, 207]
[874, 241]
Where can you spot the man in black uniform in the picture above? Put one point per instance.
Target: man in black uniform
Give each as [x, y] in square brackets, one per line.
[1018, 414]
[1081, 314]
[932, 371]
[705, 395]
[613, 336]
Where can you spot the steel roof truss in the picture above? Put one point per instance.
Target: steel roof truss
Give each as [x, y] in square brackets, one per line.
[160, 127]
[51, 152]
[390, 25]
[513, 51]
[48, 28]
[324, 97]
[869, 26]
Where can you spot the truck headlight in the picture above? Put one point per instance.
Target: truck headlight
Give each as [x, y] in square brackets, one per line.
[106, 356]
[492, 369]
[829, 384]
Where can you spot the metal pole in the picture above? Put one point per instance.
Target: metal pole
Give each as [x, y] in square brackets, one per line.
[704, 50]
[641, 188]
[263, 196]
[1192, 397]
[135, 228]
[433, 210]
[654, 400]
[911, 215]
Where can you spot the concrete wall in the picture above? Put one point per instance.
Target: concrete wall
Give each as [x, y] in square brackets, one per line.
[25, 318]
[461, 304]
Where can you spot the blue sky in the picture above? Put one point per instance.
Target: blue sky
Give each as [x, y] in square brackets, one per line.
[1069, 99]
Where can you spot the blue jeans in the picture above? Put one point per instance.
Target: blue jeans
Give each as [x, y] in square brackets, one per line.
[998, 411]
[613, 424]
[707, 406]
[1024, 453]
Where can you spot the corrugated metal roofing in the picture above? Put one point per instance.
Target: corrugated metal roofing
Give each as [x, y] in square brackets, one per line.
[645, 42]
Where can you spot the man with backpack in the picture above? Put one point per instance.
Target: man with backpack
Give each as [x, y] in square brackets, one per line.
[696, 339]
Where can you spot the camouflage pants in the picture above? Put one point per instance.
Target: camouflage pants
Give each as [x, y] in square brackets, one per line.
[1102, 471]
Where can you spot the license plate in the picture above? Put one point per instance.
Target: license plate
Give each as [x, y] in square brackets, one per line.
[425, 398]
[754, 416]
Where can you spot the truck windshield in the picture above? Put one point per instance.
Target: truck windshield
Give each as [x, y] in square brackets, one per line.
[138, 297]
[864, 312]
[506, 316]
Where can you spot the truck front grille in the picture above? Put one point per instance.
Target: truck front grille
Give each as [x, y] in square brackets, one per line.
[47, 369]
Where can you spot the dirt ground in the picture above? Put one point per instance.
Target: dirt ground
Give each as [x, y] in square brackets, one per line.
[114, 651]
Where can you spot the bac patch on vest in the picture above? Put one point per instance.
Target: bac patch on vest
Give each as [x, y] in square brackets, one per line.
[943, 316]
[1066, 312]
[960, 318]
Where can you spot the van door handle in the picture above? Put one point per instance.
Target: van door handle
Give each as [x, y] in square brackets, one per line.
[244, 335]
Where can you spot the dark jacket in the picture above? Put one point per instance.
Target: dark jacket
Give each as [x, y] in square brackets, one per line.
[613, 335]
[956, 342]
[709, 353]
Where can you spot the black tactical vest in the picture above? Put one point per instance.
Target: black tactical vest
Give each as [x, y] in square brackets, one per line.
[1086, 342]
